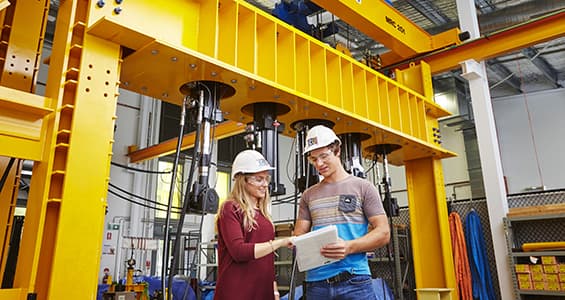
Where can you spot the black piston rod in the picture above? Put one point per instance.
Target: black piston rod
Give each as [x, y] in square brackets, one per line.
[263, 135]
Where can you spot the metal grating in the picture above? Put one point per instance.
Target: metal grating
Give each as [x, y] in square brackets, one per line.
[533, 231]
[384, 266]
[537, 198]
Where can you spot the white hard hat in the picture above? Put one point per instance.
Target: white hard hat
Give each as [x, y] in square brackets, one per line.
[319, 136]
[249, 161]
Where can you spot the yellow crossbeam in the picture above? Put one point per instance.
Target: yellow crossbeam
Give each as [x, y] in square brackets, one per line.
[523, 35]
[21, 123]
[167, 147]
[384, 24]
[13, 294]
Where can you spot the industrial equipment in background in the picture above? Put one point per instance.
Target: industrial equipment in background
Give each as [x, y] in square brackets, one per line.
[263, 136]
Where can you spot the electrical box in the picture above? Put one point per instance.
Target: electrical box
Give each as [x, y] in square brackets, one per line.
[124, 296]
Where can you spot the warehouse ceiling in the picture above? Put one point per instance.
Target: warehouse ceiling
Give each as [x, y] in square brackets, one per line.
[537, 68]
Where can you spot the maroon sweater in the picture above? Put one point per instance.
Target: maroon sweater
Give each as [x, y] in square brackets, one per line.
[240, 276]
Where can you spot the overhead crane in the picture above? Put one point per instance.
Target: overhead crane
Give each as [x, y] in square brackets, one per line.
[102, 45]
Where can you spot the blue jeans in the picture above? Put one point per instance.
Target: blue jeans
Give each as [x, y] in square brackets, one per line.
[357, 287]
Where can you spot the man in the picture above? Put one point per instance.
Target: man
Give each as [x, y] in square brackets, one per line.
[350, 203]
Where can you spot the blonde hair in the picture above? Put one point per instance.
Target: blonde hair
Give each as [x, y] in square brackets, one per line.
[240, 196]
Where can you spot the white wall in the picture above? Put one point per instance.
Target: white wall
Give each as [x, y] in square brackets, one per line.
[531, 130]
[287, 152]
[134, 113]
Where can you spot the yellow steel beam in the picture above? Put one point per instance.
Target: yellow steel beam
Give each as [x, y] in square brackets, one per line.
[265, 60]
[383, 23]
[13, 294]
[523, 35]
[85, 174]
[222, 130]
[431, 240]
[25, 41]
[21, 123]
[25, 119]
[22, 114]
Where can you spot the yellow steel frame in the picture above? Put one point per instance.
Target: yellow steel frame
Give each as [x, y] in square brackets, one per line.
[266, 60]
[228, 41]
[68, 132]
[532, 32]
[73, 128]
[428, 209]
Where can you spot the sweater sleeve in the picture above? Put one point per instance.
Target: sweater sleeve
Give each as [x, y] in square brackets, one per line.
[230, 226]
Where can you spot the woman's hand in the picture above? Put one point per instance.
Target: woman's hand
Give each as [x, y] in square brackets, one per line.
[276, 289]
[287, 242]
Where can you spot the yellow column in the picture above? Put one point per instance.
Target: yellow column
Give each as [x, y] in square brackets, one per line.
[22, 115]
[431, 241]
[61, 242]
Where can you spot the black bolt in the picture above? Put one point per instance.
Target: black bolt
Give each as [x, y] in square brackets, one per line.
[119, 1]
[117, 10]
[100, 3]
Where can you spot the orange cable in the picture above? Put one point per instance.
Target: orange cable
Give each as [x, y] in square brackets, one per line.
[462, 269]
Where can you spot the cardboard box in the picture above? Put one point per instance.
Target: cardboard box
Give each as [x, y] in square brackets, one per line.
[536, 268]
[525, 285]
[522, 268]
[552, 286]
[539, 285]
[550, 269]
[562, 268]
[524, 277]
[561, 277]
[549, 260]
[284, 230]
[551, 278]
[538, 276]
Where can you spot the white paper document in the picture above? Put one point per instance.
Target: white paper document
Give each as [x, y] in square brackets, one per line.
[308, 247]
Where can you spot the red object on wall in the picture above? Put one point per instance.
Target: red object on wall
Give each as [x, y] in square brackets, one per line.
[108, 235]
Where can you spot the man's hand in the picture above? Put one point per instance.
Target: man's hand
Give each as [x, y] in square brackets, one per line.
[337, 250]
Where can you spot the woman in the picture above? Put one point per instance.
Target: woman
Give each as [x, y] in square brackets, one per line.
[246, 234]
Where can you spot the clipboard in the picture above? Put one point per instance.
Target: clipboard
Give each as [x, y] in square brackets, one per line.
[308, 247]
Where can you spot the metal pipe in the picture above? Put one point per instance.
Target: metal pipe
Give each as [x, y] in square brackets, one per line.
[170, 202]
